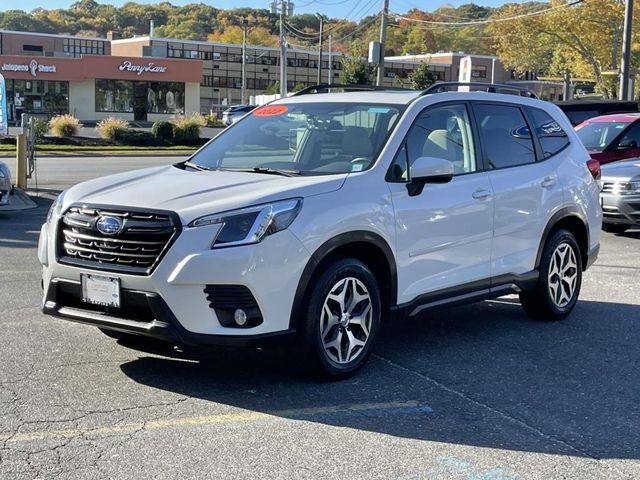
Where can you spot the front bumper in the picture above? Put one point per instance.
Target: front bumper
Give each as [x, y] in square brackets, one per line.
[620, 209]
[171, 303]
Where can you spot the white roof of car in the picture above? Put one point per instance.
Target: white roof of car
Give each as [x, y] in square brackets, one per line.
[402, 97]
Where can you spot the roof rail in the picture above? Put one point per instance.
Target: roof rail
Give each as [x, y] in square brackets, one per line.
[440, 87]
[325, 87]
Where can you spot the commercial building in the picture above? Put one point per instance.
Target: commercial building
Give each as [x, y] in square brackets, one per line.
[147, 78]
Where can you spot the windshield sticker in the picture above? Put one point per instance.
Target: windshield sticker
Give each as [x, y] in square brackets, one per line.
[379, 110]
[357, 167]
[270, 110]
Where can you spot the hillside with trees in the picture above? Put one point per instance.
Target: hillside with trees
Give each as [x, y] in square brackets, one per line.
[582, 38]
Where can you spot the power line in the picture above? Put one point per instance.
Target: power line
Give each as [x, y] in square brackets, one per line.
[488, 21]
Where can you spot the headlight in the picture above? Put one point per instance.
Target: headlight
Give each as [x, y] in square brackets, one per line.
[251, 225]
[56, 207]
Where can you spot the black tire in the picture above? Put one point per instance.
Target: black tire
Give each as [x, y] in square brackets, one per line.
[539, 303]
[614, 227]
[316, 358]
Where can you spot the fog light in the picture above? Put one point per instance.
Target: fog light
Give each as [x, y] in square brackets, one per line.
[240, 316]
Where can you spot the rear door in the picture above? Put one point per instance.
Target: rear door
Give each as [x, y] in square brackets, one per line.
[526, 188]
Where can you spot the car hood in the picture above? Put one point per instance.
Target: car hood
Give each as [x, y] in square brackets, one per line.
[622, 169]
[195, 193]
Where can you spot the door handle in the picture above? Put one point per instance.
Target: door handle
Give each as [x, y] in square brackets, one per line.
[548, 182]
[481, 194]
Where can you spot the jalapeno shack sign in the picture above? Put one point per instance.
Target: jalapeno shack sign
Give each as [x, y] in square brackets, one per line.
[33, 67]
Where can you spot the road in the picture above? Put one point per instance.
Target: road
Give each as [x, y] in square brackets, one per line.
[472, 393]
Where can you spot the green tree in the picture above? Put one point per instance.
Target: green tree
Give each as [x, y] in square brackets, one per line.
[354, 66]
[422, 77]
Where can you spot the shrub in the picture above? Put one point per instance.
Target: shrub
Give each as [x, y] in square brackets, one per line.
[187, 127]
[40, 127]
[162, 130]
[213, 121]
[137, 137]
[64, 126]
[112, 128]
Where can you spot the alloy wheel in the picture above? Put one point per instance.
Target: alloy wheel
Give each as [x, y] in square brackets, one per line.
[345, 322]
[563, 275]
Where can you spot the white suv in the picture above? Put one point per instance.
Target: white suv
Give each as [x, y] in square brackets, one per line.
[315, 217]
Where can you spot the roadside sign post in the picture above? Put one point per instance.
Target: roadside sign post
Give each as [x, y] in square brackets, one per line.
[464, 76]
[4, 125]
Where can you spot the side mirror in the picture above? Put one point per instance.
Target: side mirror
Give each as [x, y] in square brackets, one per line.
[428, 170]
[627, 144]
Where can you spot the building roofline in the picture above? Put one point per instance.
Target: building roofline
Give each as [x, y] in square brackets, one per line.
[53, 35]
[219, 44]
[441, 54]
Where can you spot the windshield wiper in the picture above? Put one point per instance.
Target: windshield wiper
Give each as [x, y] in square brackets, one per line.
[195, 166]
[265, 170]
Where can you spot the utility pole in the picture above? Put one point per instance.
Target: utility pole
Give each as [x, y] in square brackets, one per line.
[330, 63]
[321, 18]
[383, 35]
[626, 52]
[283, 8]
[243, 91]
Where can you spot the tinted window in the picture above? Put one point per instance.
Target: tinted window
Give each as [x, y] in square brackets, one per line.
[505, 135]
[441, 132]
[632, 137]
[551, 135]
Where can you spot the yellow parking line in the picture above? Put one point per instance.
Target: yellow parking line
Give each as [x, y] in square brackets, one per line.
[245, 416]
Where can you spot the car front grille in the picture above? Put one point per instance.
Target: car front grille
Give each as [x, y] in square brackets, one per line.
[137, 248]
[609, 187]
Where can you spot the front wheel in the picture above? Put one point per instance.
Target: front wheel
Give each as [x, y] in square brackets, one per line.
[556, 293]
[342, 320]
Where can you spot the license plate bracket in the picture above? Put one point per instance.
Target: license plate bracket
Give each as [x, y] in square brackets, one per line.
[100, 290]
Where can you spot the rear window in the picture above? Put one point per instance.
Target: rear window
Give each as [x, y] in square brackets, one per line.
[551, 135]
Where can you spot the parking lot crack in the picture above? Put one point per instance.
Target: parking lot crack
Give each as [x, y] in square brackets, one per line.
[492, 409]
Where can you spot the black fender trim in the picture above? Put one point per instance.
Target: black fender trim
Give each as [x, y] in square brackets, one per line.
[565, 212]
[357, 236]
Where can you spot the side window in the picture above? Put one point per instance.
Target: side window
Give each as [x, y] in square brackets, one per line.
[631, 139]
[505, 135]
[551, 135]
[442, 132]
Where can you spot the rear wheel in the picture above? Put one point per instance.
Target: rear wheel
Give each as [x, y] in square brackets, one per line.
[614, 227]
[556, 293]
[342, 320]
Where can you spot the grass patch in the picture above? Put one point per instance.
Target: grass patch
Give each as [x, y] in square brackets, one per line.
[109, 148]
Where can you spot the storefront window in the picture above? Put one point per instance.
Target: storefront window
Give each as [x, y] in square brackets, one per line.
[114, 96]
[37, 96]
[165, 97]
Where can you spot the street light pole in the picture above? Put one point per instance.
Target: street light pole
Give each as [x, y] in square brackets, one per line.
[383, 35]
[243, 92]
[283, 54]
[330, 62]
[321, 18]
[626, 51]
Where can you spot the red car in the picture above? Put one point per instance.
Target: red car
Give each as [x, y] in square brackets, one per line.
[609, 138]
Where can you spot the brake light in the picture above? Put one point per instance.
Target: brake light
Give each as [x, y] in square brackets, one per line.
[594, 167]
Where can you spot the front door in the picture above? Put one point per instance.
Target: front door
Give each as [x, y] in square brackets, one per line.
[140, 101]
[444, 234]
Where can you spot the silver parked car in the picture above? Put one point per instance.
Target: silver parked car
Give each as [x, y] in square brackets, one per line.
[6, 187]
[620, 195]
[235, 113]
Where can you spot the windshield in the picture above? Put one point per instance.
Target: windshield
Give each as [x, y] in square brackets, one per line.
[305, 138]
[597, 135]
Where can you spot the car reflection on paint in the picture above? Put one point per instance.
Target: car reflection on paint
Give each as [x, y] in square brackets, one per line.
[6, 187]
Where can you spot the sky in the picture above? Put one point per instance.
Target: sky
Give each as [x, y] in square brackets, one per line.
[331, 8]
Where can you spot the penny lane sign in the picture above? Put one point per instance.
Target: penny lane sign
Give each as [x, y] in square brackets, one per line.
[140, 69]
[33, 67]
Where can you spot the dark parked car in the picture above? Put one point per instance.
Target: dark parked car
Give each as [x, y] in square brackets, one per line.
[610, 138]
[233, 114]
[580, 110]
[620, 195]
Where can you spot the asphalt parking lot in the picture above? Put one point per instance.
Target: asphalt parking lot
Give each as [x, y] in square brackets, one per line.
[472, 393]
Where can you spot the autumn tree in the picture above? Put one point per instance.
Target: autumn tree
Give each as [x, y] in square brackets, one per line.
[579, 39]
[422, 77]
[354, 66]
